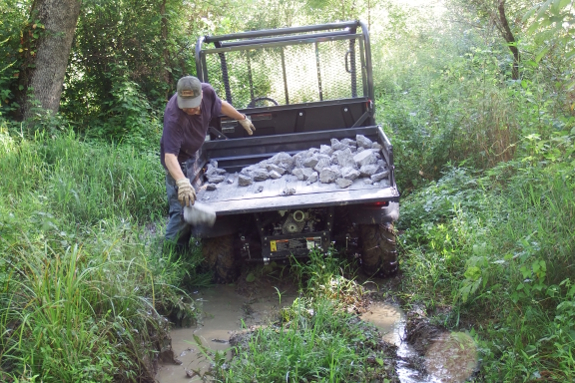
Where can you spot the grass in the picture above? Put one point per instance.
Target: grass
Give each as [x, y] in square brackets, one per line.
[319, 338]
[317, 342]
[83, 280]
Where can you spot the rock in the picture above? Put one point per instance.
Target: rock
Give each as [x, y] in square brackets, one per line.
[288, 191]
[369, 170]
[283, 160]
[326, 149]
[337, 145]
[307, 172]
[244, 180]
[328, 175]
[259, 189]
[344, 158]
[275, 175]
[216, 179]
[365, 158]
[259, 174]
[379, 176]
[363, 141]
[376, 146]
[313, 178]
[275, 168]
[310, 162]
[298, 172]
[343, 182]
[323, 162]
[301, 157]
[350, 173]
[211, 187]
[348, 142]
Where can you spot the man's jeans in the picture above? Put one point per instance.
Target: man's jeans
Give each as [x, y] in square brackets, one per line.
[177, 231]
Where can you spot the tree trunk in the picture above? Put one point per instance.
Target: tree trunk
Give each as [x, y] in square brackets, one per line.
[46, 59]
[508, 36]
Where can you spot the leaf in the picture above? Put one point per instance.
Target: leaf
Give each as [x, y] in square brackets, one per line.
[541, 54]
[543, 9]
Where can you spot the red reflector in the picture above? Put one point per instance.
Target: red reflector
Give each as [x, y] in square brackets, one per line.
[381, 203]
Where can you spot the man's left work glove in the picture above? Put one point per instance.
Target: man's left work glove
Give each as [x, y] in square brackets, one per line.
[247, 124]
[186, 193]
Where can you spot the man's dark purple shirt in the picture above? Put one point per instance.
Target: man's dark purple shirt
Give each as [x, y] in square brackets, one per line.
[183, 134]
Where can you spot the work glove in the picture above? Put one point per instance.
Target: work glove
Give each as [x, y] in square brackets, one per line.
[246, 123]
[186, 193]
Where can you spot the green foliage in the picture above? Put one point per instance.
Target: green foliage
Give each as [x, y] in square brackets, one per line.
[83, 277]
[12, 23]
[321, 343]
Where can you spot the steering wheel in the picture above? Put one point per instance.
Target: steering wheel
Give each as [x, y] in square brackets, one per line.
[252, 104]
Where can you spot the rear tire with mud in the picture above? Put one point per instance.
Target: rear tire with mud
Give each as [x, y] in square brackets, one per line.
[379, 250]
[220, 255]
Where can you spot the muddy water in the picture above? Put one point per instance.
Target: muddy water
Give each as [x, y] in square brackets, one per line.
[225, 311]
[450, 359]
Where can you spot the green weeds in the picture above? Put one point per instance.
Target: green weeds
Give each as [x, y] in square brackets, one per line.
[320, 342]
[83, 279]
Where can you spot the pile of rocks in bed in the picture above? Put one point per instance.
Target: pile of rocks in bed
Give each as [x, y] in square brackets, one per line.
[341, 163]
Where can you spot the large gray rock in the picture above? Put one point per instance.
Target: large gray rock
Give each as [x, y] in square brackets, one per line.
[343, 182]
[366, 157]
[350, 173]
[275, 168]
[328, 175]
[379, 176]
[300, 157]
[283, 160]
[260, 174]
[310, 162]
[349, 143]
[363, 141]
[307, 172]
[298, 172]
[216, 178]
[369, 170]
[244, 180]
[323, 162]
[336, 144]
[313, 177]
[344, 158]
[326, 149]
[275, 175]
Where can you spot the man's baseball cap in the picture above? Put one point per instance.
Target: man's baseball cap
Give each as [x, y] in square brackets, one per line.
[189, 92]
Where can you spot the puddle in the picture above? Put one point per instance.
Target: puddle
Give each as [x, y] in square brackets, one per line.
[451, 357]
[225, 311]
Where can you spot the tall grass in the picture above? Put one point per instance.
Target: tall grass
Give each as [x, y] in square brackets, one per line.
[83, 279]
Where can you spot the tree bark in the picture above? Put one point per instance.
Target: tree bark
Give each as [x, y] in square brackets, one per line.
[46, 59]
[503, 26]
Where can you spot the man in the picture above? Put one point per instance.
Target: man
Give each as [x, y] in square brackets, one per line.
[186, 121]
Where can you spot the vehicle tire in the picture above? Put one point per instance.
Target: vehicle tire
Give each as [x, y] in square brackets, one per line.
[220, 255]
[379, 250]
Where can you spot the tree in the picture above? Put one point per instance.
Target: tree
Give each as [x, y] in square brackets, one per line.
[495, 11]
[46, 43]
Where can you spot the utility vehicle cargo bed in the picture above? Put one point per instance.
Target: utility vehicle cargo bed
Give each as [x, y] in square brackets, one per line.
[288, 192]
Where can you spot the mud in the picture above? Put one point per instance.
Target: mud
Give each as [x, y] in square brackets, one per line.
[425, 353]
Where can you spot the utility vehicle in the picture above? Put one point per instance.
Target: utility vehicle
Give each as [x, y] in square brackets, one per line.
[302, 87]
